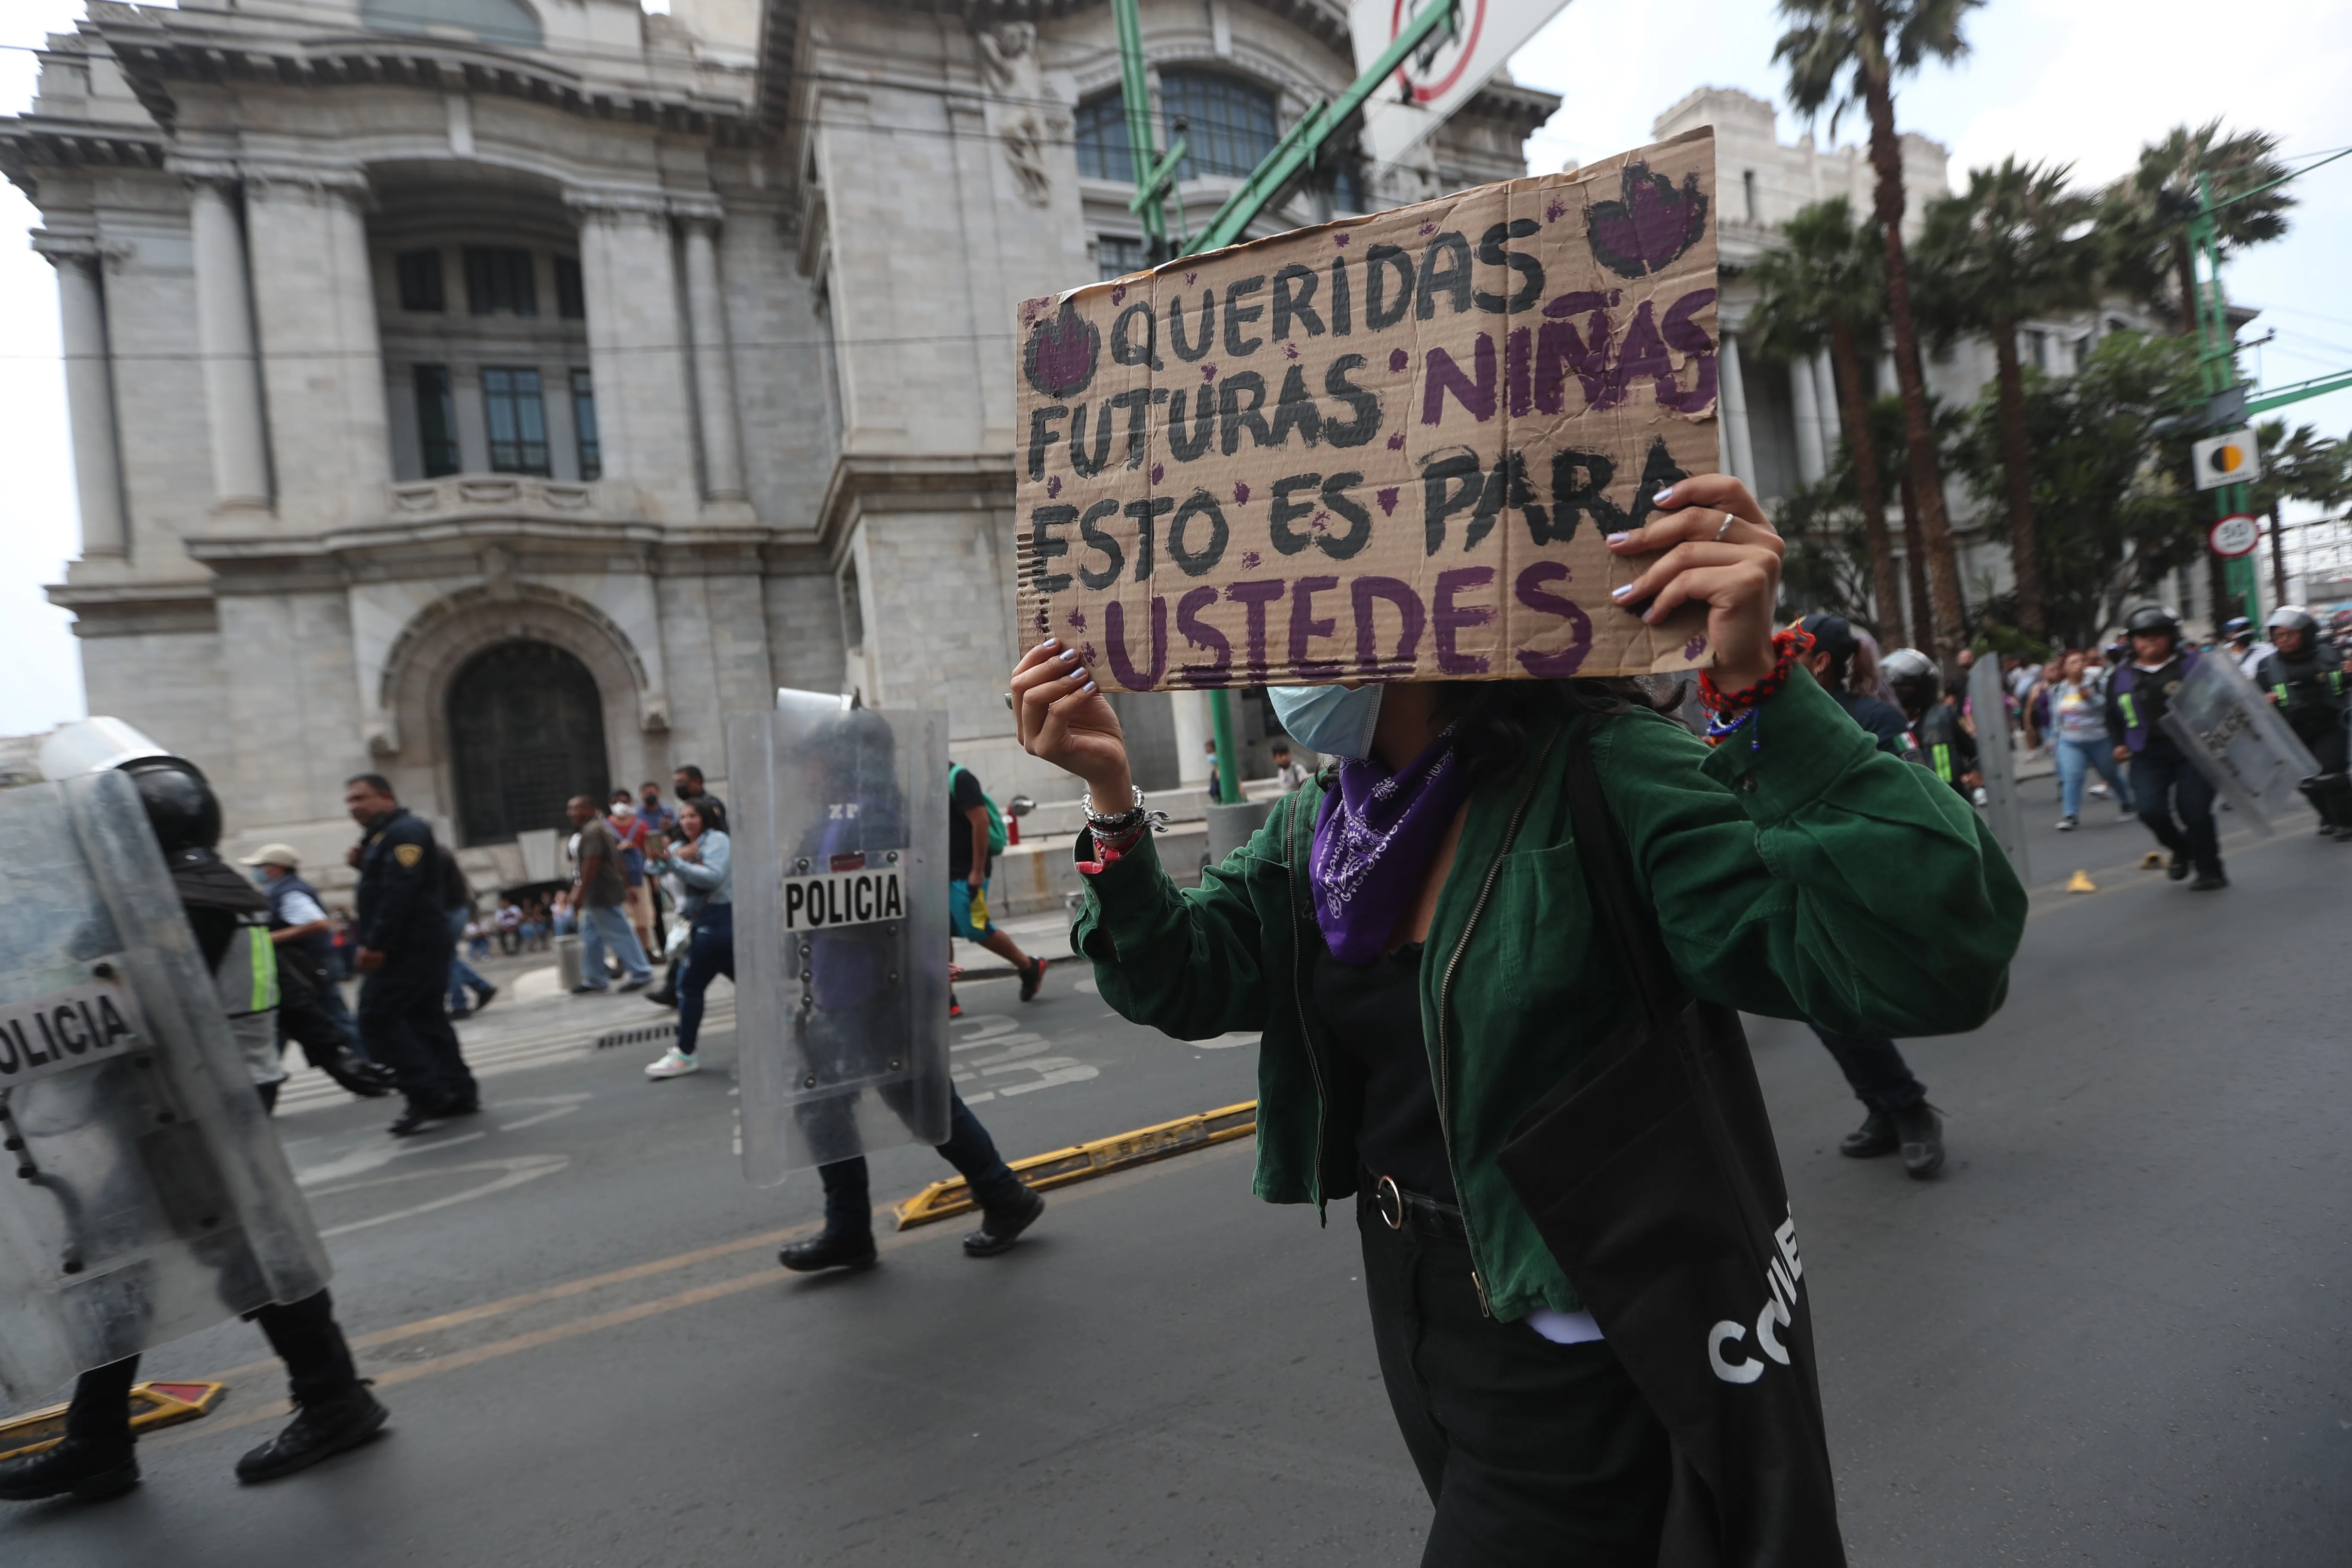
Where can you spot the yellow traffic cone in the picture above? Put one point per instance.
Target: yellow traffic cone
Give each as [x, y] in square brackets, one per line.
[2081, 883]
[2152, 861]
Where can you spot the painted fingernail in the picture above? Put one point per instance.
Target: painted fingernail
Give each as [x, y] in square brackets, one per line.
[1621, 593]
[1662, 497]
[1069, 656]
[1089, 686]
[1051, 642]
[1619, 537]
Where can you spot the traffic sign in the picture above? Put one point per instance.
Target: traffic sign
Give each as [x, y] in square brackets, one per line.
[2231, 459]
[1441, 77]
[2234, 536]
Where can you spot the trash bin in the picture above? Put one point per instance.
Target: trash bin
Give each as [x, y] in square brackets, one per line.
[567, 963]
[1230, 826]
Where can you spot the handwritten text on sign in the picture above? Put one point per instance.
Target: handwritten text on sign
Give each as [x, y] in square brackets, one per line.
[844, 898]
[67, 1029]
[1387, 447]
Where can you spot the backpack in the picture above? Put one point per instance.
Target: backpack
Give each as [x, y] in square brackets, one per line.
[996, 839]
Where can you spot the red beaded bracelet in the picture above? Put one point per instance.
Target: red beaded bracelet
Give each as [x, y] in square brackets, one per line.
[1789, 647]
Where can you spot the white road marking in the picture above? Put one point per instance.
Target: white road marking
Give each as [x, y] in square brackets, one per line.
[513, 1172]
[374, 1156]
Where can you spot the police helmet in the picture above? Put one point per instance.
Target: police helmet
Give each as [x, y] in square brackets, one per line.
[178, 799]
[2295, 617]
[1916, 680]
[2153, 620]
[2237, 626]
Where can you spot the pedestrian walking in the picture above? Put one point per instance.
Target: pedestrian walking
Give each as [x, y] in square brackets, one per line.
[601, 904]
[631, 836]
[96, 1458]
[468, 992]
[2161, 776]
[403, 957]
[688, 782]
[975, 835]
[702, 863]
[2078, 717]
[1417, 949]
[1289, 774]
[310, 1009]
[2303, 677]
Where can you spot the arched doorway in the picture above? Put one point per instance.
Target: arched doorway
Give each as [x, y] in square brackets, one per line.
[526, 734]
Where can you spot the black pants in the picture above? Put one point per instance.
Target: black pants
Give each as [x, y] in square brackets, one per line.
[1534, 1453]
[305, 1335]
[404, 1021]
[1875, 1071]
[849, 1207]
[2161, 779]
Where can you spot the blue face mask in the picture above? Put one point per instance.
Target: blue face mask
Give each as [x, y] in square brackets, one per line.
[1328, 719]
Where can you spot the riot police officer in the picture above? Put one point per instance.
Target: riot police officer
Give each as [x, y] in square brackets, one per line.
[403, 954]
[335, 1411]
[1945, 746]
[2161, 775]
[2304, 676]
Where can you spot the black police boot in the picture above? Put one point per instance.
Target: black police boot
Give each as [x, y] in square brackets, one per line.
[91, 1472]
[2209, 881]
[830, 1250]
[2179, 869]
[369, 1081]
[414, 1120]
[1000, 1227]
[1921, 1132]
[1874, 1137]
[321, 1430]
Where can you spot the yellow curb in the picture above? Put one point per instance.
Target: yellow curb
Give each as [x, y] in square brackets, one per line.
[1083, 1162]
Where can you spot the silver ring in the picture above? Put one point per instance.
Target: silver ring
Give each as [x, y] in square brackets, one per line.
[1725, 529]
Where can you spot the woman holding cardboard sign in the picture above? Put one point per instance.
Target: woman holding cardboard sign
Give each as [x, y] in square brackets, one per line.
[1494, 954]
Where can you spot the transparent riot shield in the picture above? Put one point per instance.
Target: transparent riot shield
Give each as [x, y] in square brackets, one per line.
[2237, 740]
[1997, 761]
[841, 931]
[149, 1197]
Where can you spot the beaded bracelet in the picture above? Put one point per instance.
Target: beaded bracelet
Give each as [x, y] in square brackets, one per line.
[1733, 710]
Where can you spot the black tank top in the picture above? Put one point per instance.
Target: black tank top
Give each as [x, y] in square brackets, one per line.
[1374, 1011]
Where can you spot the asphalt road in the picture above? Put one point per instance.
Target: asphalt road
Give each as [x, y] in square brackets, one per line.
[2114, 1333]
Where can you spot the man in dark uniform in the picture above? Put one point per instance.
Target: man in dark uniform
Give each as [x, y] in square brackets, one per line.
[1897, 1116]
[2303, 677]
[2160, 775]
[1944, 747]
[403, 956]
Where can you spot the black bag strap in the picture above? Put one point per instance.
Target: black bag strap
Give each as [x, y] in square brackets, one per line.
[1615, 891]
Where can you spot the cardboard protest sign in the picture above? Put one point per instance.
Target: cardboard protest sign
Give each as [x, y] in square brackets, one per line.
[1387, 447]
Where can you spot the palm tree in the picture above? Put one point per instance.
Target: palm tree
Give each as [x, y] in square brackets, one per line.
[1826, 286]
[2305, 465]
[2018, 244]
[2145, 216]
[1841, 53]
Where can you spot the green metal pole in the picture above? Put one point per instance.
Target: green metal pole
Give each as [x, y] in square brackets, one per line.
[1135, 95]
[1229, 751]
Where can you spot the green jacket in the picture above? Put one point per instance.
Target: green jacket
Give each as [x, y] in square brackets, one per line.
[1810, 876]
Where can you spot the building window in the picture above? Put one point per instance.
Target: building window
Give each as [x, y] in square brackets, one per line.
[583, 420]
[436, 419]
[1348, 183]
[571, 300]
[499, 279]
[1747, 185]
[1229, 124]
[1118, 254]
[420, 279]
[2037, 349]
[518, 421]
[1102, 139]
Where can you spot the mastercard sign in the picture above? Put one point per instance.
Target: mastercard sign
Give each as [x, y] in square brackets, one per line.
[2232, 460]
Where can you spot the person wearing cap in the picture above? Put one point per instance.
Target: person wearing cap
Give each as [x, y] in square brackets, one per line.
[310, 1009]
[2304, 680]
[1848, 671]
[2161, 777]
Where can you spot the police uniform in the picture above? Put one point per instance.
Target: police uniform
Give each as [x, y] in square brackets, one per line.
[402, 1006]
[2162, 778]
[1946, 748]
[2310, 690]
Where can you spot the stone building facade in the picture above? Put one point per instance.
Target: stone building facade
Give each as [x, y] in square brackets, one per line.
[497, 393]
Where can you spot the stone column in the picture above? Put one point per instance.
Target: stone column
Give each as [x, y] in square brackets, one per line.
[637, 354]
[1811, 462]
[1825, 379]
[225, 337]
[1193, 733]
[89, 393]
[714, 369]
[1739, 452]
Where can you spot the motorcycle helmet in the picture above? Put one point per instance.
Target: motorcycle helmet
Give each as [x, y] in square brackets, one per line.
[2152, 620]
[2295, 617]
[1915, 680]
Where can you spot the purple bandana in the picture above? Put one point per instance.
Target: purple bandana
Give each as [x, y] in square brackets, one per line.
[1374, 842]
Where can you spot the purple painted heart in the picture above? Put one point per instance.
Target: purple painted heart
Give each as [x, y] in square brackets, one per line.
[1649, 226]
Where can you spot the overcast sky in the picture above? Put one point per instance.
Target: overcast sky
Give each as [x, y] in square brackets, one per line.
[2080, 81]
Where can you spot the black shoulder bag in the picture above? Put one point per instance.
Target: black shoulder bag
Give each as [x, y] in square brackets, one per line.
[1652, 1174]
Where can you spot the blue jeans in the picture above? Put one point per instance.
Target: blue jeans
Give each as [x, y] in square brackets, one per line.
[462, 977]
[709, 953]
[1874, 1071]
[849, 1209]
[599, 926]
[2075, 761]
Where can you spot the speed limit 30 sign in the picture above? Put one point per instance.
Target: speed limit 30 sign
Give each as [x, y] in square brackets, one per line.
[2234, 536]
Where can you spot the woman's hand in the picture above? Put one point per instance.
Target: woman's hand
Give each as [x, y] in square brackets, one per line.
[1064, 720]
[1721, 552]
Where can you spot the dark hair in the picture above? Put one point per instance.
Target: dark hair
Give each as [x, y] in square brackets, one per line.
[652, 784]
[1493, 718]
[689, 770]
[376, 782]
[713, 814]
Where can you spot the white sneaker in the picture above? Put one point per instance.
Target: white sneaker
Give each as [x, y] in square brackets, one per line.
[674, 1063]
[1981, 798]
